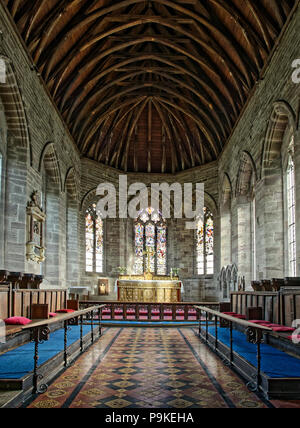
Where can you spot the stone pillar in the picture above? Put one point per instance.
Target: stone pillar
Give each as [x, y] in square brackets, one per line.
[297, 179]
[270, 250]
[226, 251]
[72, 243]
[15, 208]
[52, 233]
[243, 250]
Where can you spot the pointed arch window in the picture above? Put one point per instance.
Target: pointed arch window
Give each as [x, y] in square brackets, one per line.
[150, 231]
[205, 244]
[94, 229]
[291, 201]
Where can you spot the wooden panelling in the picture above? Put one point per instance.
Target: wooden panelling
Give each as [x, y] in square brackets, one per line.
[18, 302]
[279, 307]
[5, 302]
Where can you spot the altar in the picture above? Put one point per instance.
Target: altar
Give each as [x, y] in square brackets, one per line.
[135, 289]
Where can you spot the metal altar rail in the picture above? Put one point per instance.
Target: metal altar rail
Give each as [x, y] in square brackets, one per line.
[40, 332]
[254, 333]
[151, 311]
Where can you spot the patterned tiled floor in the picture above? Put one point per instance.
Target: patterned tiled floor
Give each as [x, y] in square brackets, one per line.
[150, 368]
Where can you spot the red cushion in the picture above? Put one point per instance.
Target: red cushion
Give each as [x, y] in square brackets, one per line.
[283, 329]
[271, 325]
[229, 313]
[17, 321]
[260, 322]
[52, 315]
[65, 311]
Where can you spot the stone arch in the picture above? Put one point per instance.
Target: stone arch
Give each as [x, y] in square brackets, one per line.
[282, 116]
[88, 199]
[17, 152]
[282, 120]
[13, 104]
[49, 160]
[71, 185]
[226, 192]
[211, 204]
[247, 175]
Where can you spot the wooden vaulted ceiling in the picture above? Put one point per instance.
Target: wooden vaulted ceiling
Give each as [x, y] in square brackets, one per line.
[150, 86]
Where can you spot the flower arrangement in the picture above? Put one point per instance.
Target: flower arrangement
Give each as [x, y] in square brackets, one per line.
[122, 270]
[175, 272]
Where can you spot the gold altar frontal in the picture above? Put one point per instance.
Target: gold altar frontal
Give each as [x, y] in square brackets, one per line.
[137, 289]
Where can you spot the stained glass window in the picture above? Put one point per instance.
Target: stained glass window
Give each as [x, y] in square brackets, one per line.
[205, 244]
[94, 241]
[150, 236]
[291, 217]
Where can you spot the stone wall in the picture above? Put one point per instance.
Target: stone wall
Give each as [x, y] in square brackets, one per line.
[270, 117]
[29, 121]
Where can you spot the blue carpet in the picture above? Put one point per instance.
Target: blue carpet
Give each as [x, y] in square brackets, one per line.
[18, 363]
[275, 363]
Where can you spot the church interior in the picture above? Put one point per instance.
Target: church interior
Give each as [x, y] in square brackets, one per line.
[140, 312]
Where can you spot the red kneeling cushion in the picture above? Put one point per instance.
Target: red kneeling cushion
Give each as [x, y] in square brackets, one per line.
[260, 322]
[283, 329]
[17, 321]
[65, 311]
[52, 315]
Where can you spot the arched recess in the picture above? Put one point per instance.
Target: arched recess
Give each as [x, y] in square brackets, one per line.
[282, 116]
[228, 281]
[16, 158]
[12, 102]
[71, 187]
[226, 229]
[88, 198]
[54, 268]
[244, 240]
[49, 162]
[281, 127]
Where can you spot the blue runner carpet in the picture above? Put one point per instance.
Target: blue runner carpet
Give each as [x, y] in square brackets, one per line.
[19, 362]
[275, 363]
